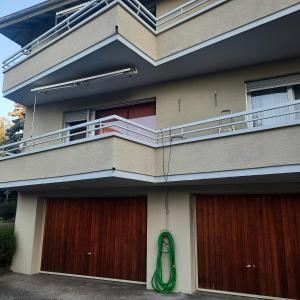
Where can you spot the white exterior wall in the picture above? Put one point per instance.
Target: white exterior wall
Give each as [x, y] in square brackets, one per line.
[181, 225]
[29, 227]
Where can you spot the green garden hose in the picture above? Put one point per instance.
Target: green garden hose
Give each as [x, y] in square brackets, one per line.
[166, 246]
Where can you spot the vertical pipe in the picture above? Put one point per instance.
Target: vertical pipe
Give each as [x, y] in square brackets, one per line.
[33, 115]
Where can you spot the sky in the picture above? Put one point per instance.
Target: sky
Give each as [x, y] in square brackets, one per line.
[7, 47]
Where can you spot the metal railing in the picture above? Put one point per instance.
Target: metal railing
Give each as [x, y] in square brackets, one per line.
[81, 132]
[231, 124]
[95, 7]
[235, 123]
[71, 22]
[190, 7]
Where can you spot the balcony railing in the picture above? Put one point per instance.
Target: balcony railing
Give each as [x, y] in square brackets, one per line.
[186, 10]
[94, 7]
[231, 124]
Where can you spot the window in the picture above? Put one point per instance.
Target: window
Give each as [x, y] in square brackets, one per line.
[76, 118]
[77, 133]
[267, 98]
[297, 92]
[297, 98]
[142, 113]
[262, 97]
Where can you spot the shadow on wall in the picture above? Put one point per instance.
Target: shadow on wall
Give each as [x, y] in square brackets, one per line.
[8, 206]
[7, 246]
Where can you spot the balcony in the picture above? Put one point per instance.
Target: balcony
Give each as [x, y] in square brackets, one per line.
[183, 42]
[115, 151]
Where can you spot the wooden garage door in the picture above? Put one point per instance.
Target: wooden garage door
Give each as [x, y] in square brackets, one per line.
[96, 237]
[249, 244]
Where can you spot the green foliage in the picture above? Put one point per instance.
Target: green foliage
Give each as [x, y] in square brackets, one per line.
[8, 205]
[7, 246]
[8, 210]
[15, 132]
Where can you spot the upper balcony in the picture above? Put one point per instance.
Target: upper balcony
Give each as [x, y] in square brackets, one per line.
[113, 151]
[197, 37]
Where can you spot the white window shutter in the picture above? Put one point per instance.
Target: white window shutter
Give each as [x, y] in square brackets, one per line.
[275, 82]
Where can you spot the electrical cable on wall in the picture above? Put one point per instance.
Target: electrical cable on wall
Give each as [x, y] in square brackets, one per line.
[166, 245]
[33, 115]
[166, 174]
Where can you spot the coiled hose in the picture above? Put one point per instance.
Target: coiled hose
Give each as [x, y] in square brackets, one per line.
[165, 246]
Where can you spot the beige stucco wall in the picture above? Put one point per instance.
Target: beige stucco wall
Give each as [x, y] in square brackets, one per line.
[197, 101]
[182, 13]
[59, 162]
[132, 157]
[82, 38]
[29, 227]
[104, 154]
[115, 20]
[180, 224]
[163, 6]
[197, 97]
[276, 147]
[200, 28]
[221, 19]
[140, 36]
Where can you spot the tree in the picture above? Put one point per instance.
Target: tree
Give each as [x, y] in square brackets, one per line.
[15, 132]
[4, 124]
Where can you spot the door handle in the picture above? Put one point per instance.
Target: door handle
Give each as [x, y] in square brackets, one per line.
[89, 253]
[250, 266]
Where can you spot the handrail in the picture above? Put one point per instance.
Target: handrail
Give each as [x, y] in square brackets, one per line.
[251, 120]
[247, 120]
[91, 8]
[234, 115]
[85, 124]
[67, 25]
[29, 47]
[113, 122]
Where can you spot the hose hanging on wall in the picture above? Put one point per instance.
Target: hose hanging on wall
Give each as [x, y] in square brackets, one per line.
[166, 246]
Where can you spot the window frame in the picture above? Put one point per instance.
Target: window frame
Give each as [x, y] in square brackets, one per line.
[90, 115]
[291, 99]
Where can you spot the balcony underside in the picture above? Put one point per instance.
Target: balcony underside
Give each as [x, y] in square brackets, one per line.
[114, 182]
[275, 39]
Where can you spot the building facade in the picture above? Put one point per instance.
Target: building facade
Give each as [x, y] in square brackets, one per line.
[151, 115]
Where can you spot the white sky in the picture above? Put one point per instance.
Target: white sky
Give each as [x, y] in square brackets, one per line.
[7, 47]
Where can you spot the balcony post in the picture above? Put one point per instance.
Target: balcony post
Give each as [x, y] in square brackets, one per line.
[29, 227]
[181, 224]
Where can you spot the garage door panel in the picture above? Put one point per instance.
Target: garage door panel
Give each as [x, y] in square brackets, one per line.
[122, 254]
[96, 237]
[65, 237]
[249, 244]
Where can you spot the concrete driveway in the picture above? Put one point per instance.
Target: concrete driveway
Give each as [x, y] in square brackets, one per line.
[53, 287]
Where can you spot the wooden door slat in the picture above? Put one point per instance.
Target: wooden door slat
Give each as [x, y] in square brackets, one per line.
[262, 230]
[114, 230]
